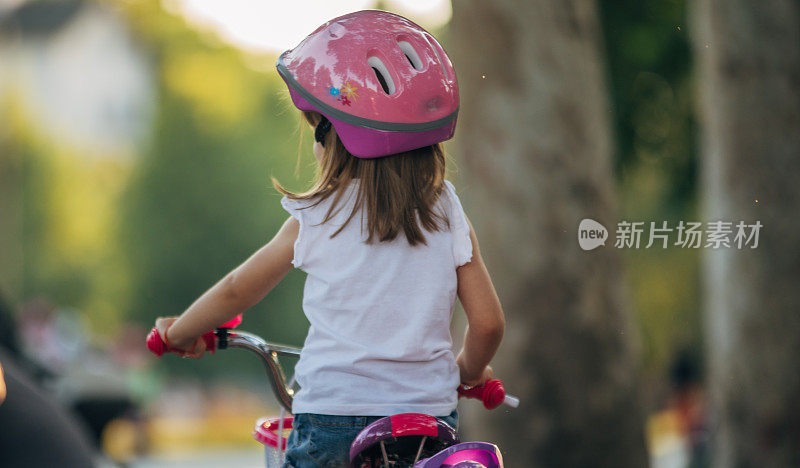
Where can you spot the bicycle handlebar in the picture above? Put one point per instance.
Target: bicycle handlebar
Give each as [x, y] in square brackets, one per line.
[223, 338]
[492, 393]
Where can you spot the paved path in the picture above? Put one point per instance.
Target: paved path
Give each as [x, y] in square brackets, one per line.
[210, 458]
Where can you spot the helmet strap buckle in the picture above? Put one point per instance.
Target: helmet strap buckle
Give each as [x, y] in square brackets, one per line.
[323, 127]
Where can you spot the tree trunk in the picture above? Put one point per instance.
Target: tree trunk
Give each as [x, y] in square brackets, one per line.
[535, 153]
[749, 57]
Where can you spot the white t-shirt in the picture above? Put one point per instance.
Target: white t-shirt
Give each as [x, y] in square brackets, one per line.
[379, 342]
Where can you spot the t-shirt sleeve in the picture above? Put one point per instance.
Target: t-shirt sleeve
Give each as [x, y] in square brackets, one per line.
[462, 245]
[293, 207]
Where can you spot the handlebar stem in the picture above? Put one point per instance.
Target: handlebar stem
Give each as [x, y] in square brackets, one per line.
[268, 353]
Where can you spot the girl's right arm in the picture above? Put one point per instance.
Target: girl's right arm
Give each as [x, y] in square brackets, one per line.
[485, 319]
[236, 292]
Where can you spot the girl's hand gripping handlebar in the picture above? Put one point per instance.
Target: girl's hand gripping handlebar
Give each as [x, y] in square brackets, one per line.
[157, 345]
[491, 393]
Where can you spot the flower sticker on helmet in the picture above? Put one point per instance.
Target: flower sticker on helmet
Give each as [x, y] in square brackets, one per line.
[350, 91]
[347, 94]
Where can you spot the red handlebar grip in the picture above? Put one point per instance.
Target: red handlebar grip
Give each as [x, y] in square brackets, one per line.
[233, 323]
[491, 393]
[157, 346]
[211, 342]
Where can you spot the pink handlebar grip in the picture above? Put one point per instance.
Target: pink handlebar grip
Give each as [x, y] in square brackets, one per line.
[233, 323]
[492, 393]
[157, 346]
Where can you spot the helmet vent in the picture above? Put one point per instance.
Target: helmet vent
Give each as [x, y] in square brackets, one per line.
[411, 54]
[382, 73]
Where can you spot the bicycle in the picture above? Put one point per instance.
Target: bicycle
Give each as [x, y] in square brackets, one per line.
[403, 440]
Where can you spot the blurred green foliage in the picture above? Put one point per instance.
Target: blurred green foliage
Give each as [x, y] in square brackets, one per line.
[59, 207]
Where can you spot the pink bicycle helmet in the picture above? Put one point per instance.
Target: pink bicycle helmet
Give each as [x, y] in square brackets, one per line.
[385, 84]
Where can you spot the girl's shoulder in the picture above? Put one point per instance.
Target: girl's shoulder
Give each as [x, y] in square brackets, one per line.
[451, 201]
[294, 204]
[449, 189]
[315, 204]
[317, 211]
[457, 218]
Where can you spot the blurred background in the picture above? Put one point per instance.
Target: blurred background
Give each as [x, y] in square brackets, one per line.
[137, 142]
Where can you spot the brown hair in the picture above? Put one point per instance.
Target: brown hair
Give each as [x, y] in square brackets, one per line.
[398, 191]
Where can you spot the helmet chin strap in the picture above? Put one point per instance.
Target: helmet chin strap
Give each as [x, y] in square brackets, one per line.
[323, 127]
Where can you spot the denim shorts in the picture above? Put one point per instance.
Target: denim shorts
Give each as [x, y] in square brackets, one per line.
[323, 441]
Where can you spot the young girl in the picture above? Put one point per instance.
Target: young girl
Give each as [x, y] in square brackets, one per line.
[382, 236]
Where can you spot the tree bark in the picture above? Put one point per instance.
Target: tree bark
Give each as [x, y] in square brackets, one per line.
[748, 53]
[535, 157]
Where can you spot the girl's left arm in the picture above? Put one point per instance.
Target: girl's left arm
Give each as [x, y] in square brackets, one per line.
[239, 290]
